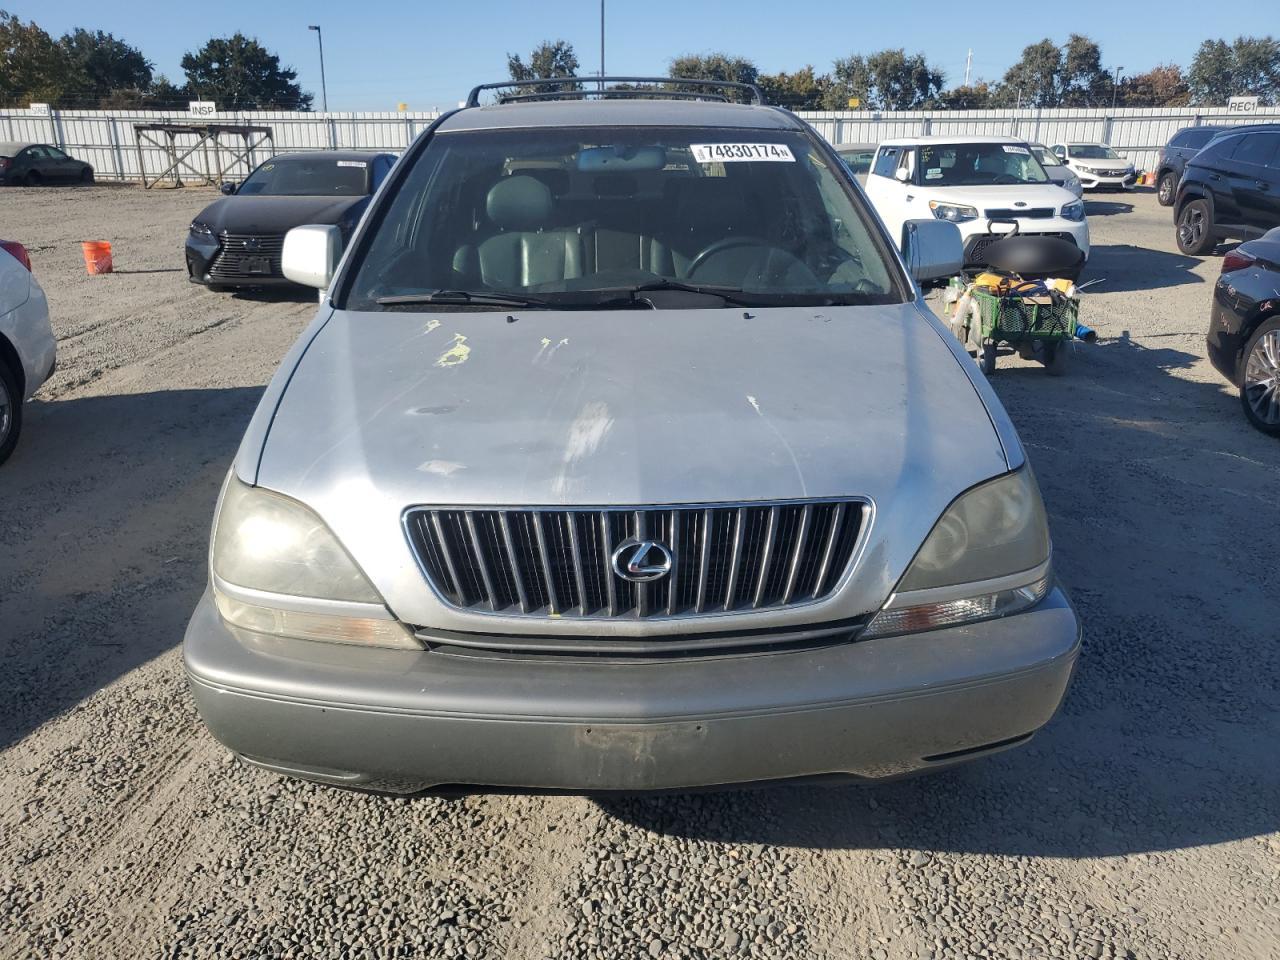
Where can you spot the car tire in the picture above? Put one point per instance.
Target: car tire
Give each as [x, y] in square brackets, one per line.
[1261, 361]
[33, 179]
[1195, 228]
[1166, 189]
[10, 411]
[86, 176]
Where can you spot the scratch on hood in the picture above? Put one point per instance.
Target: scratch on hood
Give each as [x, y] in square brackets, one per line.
[456, 354]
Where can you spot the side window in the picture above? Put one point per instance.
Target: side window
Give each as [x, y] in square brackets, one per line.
[1258, 149]
[1195, 139]
[36, 153]
[1182, 139]
[54, 153]
[886, 161]
[1218, 149]
[380, 168]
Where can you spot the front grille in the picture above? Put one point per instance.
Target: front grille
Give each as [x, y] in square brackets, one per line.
[975, 249]
[1009, 213]
[242, 256]
[558, 563]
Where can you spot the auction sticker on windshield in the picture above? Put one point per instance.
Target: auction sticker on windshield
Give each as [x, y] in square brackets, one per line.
[729, 152]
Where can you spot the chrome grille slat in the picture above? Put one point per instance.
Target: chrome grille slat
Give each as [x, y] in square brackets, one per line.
[551, 561]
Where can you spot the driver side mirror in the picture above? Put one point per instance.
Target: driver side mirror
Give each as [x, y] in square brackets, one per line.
[227, 187]
[932, 249]
[902, 174]
[311, 255]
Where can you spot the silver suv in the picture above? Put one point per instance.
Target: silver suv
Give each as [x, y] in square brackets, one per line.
[623, 453]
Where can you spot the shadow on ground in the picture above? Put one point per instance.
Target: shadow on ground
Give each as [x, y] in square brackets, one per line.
[1154, 486]
[1105, 208]
[1125, 268]
[104, 519]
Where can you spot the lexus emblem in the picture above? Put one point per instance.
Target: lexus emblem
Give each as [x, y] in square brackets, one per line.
[253, 243]
[642, 560]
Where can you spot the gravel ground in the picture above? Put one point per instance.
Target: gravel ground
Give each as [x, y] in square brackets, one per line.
[1142, 823]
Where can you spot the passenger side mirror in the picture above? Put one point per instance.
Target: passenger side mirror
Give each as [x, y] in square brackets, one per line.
[932, 249]
[228, 187]
[311, 255]
[902, 174]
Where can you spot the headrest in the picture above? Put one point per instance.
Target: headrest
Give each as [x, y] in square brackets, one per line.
[519, 203]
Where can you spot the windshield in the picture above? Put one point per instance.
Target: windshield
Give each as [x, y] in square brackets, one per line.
[308, 177]
[1046, 157]
[977, 165]
[1091, 151]
[565, 217]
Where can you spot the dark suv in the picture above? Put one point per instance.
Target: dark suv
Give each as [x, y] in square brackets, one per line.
[1182, 146]
[1230, 189]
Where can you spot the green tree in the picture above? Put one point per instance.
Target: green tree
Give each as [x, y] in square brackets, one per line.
[1051, 76]
[32, 66]
[1162, 86]
[1083, 81]
[238, 73]
[1249, 66]
[976, 96]
[802, 90]
[549, 60]
[102, 66]
[715, 66]
[888, 80]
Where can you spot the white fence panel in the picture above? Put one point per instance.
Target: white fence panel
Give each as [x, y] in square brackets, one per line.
[105, 138]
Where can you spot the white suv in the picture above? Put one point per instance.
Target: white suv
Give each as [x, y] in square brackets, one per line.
[981, 184]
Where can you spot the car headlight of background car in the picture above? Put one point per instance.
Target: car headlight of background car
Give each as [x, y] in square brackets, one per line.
[955, 212]
[1073, 210]
[201, 229]
[277, 569]
[988, 556]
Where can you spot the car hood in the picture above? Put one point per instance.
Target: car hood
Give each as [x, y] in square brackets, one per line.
[999, 197]
[270, 215]
[389, 410]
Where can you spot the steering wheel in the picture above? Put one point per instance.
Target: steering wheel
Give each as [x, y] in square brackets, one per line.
[1006, 178]
[784, 262]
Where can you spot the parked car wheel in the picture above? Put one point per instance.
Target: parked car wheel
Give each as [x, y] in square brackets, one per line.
[1195, 229]
[10, 411]
[1165, 190]
[87, 176]
[1260, 384]
[33, 179]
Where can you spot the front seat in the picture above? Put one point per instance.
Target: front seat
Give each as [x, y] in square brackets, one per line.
[519, 247]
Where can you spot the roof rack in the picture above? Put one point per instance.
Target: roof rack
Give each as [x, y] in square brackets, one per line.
[599, 87]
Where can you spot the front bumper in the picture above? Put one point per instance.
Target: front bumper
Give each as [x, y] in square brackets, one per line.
[407, 721]
[1095, 181]
[201, 255]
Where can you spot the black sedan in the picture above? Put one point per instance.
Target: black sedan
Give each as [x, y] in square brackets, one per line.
[35, 164]
[1244, 328]
[237, 240]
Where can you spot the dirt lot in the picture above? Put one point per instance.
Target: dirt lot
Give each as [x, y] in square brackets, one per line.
[1142, 823]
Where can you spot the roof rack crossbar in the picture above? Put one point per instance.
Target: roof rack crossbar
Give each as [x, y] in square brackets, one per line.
[613, 95]
[601, 88]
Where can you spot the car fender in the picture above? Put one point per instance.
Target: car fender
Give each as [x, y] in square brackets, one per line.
[1189, 192]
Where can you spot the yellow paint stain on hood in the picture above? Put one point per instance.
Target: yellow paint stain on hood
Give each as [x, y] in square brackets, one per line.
[456, 354]
[431, 325]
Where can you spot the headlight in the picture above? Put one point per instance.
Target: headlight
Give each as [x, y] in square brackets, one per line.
[956, 213]
[283, 572]
[988, 556]
[200, 228]
[1073, 210]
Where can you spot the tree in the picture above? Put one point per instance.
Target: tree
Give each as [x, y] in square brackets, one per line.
[802, 90]
[550, 59]
[888, 80]
[715, 66]
[1051, 76]
[238, 73]
[101, 66]
[976, 96]
[32, 66]
[1250, 66]
[1162, 86]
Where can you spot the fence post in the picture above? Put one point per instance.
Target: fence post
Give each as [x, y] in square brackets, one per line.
[926, 126]
[1106, 129]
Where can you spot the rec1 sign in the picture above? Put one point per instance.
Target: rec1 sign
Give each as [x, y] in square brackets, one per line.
[202, 108]
[1242, 105]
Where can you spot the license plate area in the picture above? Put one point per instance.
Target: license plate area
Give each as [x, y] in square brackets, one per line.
[257, 266]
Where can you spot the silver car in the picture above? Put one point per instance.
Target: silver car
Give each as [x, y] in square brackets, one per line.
[623, 454]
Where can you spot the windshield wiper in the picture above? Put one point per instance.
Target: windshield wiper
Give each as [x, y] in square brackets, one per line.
[479, 298]
[731, 295]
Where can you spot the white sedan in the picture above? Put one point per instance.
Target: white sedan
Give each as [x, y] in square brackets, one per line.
[28, 350]
[1097, 165]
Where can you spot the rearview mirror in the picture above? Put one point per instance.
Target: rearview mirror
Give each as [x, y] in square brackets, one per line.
[228, 187]
[932, 249]
[311, 255]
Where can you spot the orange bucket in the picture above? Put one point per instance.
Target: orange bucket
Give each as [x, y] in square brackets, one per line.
[97, 256]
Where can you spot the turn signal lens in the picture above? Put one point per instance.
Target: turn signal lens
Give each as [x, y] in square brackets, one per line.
[364, 631]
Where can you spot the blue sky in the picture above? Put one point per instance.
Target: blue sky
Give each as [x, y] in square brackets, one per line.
[378, 54]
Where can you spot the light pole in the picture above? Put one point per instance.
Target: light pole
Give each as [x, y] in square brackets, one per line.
[324, 93]
[602, 45]
[1115, 87]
